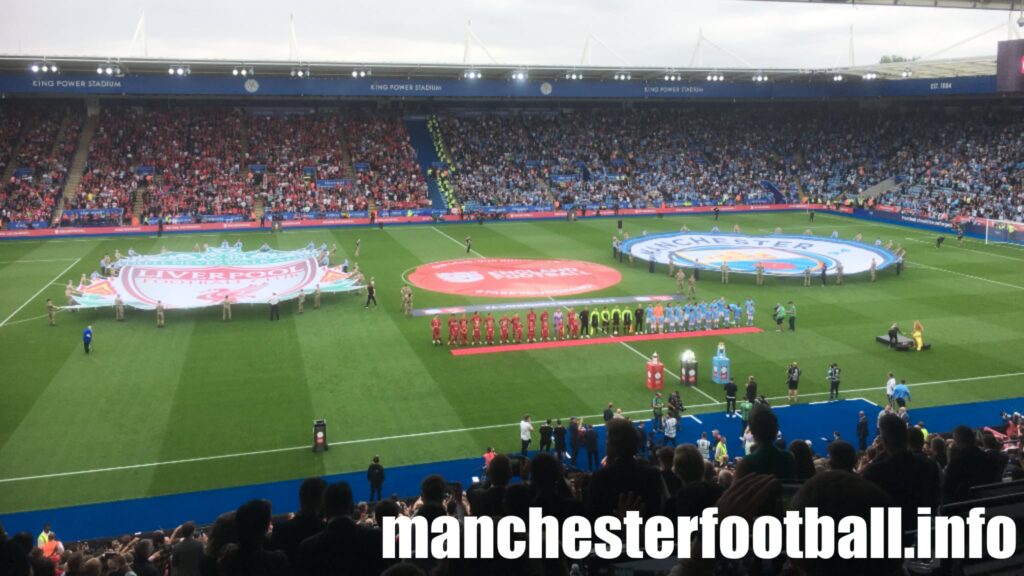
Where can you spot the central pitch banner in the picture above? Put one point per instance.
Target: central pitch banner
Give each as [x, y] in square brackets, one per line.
[779, 254]
[198, 279]
[513, 277]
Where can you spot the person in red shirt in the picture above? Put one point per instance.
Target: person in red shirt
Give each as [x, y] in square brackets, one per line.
[476, 321]
[574, 327]
[544, 325]
[531, 325]
[517, 327]
[489, 328]
[464, 330]
[504, 328]
[435, 330]
[453, 330]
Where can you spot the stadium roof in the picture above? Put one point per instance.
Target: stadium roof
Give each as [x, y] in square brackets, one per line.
[932, 68]
[1005, 5]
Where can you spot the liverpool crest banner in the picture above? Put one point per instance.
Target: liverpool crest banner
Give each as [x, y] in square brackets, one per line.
[205, 278]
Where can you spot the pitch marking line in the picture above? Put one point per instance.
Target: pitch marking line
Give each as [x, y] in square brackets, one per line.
[34, 261]
[45, 286]
[452, 431]
[635, 351]
[463, 244]
[990, 281]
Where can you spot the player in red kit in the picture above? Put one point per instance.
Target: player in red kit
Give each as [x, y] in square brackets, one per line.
[504, 328]
[476, 321]
[463, 330]
[544, 325]
[435, 330]
[517, 327]
[453, 330]
[531, 325]
[489, 329]
[574, 326]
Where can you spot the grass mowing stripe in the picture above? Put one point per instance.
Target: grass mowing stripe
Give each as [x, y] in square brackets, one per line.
[453, 431]
[47, 285]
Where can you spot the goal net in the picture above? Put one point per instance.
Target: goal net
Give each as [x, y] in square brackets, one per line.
[1004, 232]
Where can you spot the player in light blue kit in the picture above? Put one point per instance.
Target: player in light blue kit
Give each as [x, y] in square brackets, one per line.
[750, 311]
[651, 322]
[736, 314]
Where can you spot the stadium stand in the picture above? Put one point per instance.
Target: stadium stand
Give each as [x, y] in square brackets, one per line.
[191, 162]
[303, 155]
[387, 175]
[904, 466]
[36, 153]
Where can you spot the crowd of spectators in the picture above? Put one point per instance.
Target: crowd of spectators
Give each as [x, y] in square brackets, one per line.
[296, 151]
[125, 138]
[385, 163]
[41, 157]
[963, 163]
[969, 164]
[905, 466]
[195, 160]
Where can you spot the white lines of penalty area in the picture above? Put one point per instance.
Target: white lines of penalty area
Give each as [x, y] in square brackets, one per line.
[36, 295]
[634, 350]
[451, 431]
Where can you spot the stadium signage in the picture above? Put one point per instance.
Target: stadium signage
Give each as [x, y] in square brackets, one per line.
[513, 277]
[198, 279]
[218, 85]
[780, 255]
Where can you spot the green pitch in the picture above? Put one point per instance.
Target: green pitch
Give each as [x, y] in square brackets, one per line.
[205, 404]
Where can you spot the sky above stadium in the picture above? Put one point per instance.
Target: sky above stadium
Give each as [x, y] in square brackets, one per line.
[657, 33]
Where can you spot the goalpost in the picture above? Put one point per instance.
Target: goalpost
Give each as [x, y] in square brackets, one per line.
[1004, 232]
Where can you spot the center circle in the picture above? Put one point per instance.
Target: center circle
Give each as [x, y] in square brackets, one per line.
[513, 277]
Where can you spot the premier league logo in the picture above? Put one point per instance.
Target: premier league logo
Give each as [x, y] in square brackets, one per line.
[779, 255]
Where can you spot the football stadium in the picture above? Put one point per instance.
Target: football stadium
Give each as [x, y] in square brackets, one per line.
[252, 307]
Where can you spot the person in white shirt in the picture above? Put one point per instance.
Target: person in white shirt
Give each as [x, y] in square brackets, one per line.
[890, 385]
[670, 430]
[525, 432]
[275, 313]
[704, 445]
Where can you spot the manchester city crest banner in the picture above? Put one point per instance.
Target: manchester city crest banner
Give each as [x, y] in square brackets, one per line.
[206, 278]
[779, 255]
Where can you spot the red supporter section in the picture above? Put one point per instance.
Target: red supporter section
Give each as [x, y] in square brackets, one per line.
[605, 340]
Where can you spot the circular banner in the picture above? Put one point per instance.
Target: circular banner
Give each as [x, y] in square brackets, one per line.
[780, 255]
[513, 277]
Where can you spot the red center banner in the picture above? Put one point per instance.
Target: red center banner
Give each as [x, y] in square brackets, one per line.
[513, 277]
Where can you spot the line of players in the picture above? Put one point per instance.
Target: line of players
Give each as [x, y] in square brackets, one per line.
[656, 318]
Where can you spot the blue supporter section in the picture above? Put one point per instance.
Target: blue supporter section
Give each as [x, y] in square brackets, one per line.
[426, 157]
[815, 421]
